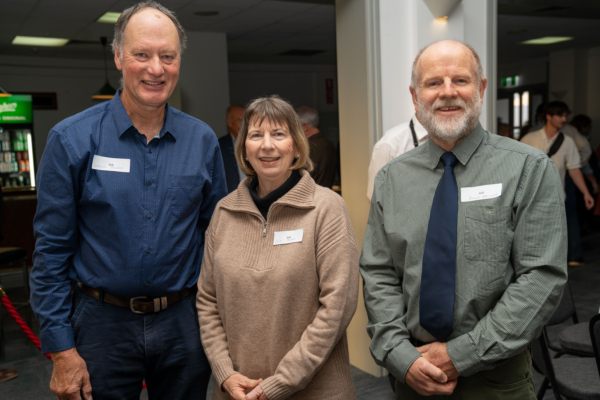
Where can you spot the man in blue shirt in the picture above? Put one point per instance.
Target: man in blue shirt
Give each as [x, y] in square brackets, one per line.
[126, 191]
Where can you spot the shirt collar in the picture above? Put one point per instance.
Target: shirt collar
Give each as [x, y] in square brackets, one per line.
[463, 151]
[123, 122]
[419, 129]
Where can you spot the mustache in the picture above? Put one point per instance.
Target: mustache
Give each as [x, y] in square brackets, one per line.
[452, 102]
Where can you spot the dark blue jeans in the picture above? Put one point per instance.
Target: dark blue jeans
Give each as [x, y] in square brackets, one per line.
[574, 249]
[122, 349]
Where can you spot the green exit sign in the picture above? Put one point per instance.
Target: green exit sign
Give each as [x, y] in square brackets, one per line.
[16, 109]
[510, 81]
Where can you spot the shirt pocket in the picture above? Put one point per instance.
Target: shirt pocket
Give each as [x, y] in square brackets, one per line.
[185, 193]
[486, 233]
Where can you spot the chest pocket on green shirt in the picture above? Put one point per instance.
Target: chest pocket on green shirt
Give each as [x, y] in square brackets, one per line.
[487, 235]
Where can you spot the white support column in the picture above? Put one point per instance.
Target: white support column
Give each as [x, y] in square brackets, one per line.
[408, 26]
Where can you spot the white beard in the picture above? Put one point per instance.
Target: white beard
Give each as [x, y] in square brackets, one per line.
[450, 129]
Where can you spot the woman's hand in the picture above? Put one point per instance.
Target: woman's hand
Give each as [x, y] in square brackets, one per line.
[237, 384]
[256, 394]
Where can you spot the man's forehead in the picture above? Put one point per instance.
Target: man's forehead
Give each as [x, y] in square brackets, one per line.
[440, 57]
[151, 20]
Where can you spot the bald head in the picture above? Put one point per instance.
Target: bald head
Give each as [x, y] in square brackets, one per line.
[441, 53]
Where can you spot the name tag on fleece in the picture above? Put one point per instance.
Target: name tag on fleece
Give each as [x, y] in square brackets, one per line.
[110, 164]
[480, 192]
[286, 237]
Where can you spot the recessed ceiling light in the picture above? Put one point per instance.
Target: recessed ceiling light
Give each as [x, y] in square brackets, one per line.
[39, 41]
[206, 13]
[548, 40]
[109, 18]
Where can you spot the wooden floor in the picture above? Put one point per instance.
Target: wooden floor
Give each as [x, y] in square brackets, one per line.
[35, 369]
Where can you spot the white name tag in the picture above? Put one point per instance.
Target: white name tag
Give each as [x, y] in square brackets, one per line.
[480, 192]
[286, 237]
[110, 164]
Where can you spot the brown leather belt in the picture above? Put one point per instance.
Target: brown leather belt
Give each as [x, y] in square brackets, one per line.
[138, 305]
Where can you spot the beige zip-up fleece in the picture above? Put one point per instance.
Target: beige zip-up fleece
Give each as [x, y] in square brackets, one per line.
[280, 312]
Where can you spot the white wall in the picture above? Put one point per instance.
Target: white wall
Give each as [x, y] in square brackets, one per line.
[407, 26]
[203, 83]
[300, 84]
[204, 78]
[73, 81]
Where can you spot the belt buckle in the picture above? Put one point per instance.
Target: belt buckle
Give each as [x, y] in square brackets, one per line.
[131, 304]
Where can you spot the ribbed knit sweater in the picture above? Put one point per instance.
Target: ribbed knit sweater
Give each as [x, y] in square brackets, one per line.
[280, 312]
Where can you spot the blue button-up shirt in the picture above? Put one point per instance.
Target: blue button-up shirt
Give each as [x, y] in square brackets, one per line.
[136, 233]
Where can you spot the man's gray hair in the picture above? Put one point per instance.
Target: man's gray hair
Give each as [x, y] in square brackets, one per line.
[416, 76]
[126, 15]
[308, 115]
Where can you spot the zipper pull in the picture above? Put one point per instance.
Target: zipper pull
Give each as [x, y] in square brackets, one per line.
[265, 229]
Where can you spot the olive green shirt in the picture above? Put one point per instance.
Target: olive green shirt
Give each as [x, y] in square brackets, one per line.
[511, 256]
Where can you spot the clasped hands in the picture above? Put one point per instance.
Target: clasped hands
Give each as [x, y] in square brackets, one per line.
[237, 385]
[434, 373]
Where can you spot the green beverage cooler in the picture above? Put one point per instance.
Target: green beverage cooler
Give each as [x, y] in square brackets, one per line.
[17, 161]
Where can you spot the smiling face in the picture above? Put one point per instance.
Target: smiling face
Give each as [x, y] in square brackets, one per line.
[448, 97]
[270, 149]
[149, 59]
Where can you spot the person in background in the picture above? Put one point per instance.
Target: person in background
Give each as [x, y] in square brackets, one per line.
[126, 190]
[539, 120]
[562, 150]
[275, 302]
[322, 152]
[394, 142]
[233, 173]
[464, 256]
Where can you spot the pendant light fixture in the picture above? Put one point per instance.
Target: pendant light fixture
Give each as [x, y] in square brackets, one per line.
[4, 93]
[106, 92]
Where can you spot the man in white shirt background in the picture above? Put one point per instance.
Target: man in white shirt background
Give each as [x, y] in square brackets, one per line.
[566, 157]
[393, 143]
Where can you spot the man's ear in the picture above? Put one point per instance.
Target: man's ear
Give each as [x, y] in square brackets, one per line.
[415, 100]
[482, 88]
[118, 58]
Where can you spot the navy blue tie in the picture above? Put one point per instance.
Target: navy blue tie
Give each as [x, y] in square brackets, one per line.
[436, 302]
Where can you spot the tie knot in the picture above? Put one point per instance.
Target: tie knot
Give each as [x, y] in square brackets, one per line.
[449, 159]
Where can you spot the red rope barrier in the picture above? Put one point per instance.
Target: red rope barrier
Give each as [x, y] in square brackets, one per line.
[19, 320]
[26, 330]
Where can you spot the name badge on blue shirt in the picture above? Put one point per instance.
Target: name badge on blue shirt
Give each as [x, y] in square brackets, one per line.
[110, 164]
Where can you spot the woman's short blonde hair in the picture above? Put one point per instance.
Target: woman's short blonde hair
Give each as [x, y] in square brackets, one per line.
[276, 111]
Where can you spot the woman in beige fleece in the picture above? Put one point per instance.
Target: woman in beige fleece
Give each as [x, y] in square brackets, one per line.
[279, 278]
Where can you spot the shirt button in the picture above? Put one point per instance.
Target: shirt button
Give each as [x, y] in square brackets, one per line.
[146, 283]
[148, 251]
[150, 182]
[149, 216]
[150, 150]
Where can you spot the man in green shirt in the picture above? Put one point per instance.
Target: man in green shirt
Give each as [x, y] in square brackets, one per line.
[502, 202]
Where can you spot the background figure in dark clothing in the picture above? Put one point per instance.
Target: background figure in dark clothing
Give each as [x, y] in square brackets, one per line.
[233, 174]
[322, 152]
